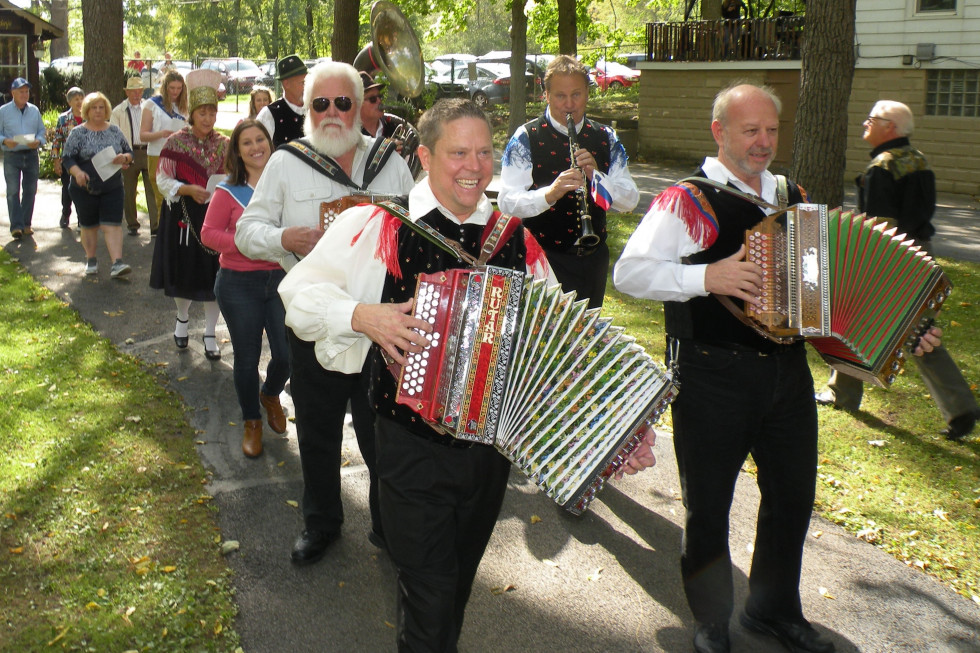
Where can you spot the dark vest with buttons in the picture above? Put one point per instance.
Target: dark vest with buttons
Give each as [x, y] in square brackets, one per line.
[559, 227]
[416, 255]
[288, 123]
[705, 319]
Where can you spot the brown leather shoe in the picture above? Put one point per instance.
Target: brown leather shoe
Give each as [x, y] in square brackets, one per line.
[273, 413]
[252, 438]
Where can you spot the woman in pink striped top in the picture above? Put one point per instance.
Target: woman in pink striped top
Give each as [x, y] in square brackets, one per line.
[248, 290]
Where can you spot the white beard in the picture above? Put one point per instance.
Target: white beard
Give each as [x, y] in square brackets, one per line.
[332, 144]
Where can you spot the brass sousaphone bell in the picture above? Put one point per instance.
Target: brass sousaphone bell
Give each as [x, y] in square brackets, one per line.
[394, 50]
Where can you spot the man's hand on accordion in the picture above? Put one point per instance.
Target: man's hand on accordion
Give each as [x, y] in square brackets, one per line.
[642, 457]
[393, 327]
[928, 341]
[735, 277]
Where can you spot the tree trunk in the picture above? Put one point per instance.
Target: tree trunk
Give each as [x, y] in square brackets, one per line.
[311, 40]
[567, 28]
[820, 140]
[518, 51]
[343, 44]
[102, 24]
[59, 18]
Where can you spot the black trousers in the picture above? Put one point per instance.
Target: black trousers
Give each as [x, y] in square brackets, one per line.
[586, 275]
[65, 195]
[734, 403]
[439, 506]
[320, 398]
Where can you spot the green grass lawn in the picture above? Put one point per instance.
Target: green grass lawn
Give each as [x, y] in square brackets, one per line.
[108, 541]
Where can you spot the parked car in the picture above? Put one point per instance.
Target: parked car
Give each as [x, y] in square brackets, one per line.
[631, 59]
[492, 84]
[609, 74]
[445, 81]
[535, 68]
[237, 74]
[68, 64]
[268, 76]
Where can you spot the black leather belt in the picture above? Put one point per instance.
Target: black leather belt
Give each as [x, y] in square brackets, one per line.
[139, 147]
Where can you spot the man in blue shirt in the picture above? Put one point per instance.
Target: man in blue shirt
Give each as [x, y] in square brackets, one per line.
[23, 133]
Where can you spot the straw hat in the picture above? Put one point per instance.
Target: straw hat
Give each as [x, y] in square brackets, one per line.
[202, 88]
[134, 83]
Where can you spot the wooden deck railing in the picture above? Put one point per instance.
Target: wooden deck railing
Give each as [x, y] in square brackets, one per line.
[726, 40]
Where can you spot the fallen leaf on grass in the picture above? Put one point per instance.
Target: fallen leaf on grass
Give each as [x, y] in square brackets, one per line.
[876, 443]
[130, 610]
[535, 519]
[817, 534]
[954, 323]
[181, 378]
[135, 419]
[169, 569]
[59, 635]
[501, 590]
[292, 503]
[939, 512]
[17, 550]
[824, 592]
[389, 624]
[228, 546]
[92, 605]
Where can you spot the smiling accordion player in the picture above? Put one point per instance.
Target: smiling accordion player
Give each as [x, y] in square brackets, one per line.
[859, 292]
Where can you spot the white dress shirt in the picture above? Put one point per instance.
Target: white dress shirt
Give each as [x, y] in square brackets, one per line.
[651, 267]
[289, 194]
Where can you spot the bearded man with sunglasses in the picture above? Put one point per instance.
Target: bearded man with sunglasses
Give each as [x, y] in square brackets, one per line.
[282, 223]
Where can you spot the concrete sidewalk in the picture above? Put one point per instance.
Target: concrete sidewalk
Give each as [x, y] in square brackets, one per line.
[607, 581]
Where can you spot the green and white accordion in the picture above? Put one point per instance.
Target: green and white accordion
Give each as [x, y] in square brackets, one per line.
[858, 291]
[522, 366]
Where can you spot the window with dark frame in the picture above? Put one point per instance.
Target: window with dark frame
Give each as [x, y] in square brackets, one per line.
[936, 5]
[953, 93]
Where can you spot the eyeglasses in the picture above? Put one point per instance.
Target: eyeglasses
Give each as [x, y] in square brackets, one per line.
[321, 104]
[374, 99]
[872, 119]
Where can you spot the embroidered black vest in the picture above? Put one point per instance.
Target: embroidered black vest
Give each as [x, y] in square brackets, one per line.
[417, 255]
[559, 227]
[288, 123]
[705, 319]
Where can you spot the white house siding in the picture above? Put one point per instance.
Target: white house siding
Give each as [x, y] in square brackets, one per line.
[675, 98]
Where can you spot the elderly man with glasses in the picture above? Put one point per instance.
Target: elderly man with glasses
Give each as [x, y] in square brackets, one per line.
[900, 187]
[286, 218]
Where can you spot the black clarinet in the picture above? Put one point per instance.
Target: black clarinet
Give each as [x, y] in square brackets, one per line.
[588, 237]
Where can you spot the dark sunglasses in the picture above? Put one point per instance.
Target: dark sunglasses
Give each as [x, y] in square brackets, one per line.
[374, 99]
[321, 104]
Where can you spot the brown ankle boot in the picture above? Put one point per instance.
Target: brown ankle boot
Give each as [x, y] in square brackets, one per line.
[273, 413]
[252, 438]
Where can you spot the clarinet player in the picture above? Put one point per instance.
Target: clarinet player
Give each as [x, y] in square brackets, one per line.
[559, 197]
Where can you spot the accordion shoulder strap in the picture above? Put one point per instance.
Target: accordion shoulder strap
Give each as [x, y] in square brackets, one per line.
[427, 232]
[782, 191]
[725, 188]
[380, 152]
[499, 230]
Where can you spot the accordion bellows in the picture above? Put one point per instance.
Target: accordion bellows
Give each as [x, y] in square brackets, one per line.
[522, 366]
[860, 293]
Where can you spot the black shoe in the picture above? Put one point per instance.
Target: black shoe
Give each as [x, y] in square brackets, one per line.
[63, 222]
[712, 638]
[180, 341]
[153, 233]
[828, 398]
[310, 546]
[960, 427]
[134, 231]
[211, 354]
[796, 635]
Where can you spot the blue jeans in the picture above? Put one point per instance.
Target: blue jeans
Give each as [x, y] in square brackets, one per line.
[250, 303]
[20, 171]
